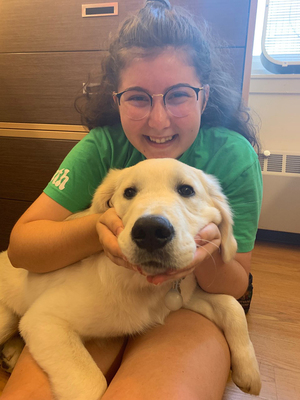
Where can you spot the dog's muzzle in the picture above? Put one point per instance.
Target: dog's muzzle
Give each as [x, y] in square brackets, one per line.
[152, 232]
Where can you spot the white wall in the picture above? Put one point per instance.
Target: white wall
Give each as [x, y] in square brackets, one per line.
[276, 99]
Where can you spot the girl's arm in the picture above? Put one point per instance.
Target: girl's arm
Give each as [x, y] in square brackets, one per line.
[232, 278]
[212, 274]
[41, 241]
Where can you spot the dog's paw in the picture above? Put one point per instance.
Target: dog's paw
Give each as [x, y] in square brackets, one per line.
[245, 372]
[81, 388]
[248, 381]
[10, 353]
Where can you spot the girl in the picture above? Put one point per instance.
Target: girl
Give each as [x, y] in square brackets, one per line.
[163, 93]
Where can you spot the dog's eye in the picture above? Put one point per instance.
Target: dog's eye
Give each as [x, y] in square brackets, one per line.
[129, 193]
[185, 190]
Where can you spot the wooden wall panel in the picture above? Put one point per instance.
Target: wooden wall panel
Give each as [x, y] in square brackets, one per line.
[228, 18]
[52, 25]
[33, 26]
[42, 87]
[27, 165]
[11, 211]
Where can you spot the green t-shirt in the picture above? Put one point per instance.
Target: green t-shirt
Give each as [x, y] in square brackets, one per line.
[217, 151]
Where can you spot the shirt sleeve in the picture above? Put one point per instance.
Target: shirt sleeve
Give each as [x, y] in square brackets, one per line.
[74, 183]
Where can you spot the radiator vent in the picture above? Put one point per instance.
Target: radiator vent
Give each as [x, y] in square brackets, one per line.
[292, 164]
[275, 163]
[279, 162]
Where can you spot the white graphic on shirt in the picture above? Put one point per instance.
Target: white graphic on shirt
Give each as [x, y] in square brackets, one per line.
[60, 178]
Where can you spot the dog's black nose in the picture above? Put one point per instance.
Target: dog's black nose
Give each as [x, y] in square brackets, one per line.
[152, 232]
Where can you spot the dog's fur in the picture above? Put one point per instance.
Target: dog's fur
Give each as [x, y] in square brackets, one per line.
[96, 298]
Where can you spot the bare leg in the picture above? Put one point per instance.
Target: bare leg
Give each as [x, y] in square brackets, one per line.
[29, 382]
[187, 358]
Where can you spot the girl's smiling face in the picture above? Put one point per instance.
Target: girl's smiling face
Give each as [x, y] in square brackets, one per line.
[160, 134]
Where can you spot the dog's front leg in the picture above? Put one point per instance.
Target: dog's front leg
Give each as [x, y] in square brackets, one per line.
[61, 354]
[226, 312]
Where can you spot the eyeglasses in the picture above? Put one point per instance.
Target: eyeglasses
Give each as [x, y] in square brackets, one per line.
[178, 100]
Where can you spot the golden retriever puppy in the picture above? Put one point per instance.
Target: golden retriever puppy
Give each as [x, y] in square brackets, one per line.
[163, 204]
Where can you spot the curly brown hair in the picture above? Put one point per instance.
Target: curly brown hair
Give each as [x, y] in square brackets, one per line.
[156, 26]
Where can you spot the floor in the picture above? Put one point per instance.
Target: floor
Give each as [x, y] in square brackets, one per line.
[274, 323]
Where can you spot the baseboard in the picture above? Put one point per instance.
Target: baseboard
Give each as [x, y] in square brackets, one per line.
[278, 237]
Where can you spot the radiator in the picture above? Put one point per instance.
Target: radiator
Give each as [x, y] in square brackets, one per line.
[281, 199]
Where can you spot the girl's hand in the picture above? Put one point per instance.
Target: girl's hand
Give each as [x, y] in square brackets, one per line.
[109, 226]
[208, 241]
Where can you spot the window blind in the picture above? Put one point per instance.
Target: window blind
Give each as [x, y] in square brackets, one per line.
[281, 35]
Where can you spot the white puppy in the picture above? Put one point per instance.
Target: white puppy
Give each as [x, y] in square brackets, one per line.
[163, 205]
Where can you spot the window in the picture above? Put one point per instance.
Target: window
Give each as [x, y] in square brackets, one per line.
[277, 37]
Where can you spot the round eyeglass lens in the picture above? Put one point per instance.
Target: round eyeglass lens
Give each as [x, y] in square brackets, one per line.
[137, 104]
[180, 101]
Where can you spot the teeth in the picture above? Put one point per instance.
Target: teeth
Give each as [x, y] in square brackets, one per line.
[162, 140]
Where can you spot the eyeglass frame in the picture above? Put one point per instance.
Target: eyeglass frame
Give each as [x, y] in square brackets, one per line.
[197, 90]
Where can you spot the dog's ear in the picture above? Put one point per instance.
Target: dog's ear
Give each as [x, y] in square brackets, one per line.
[228, 242]
[104, 193]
